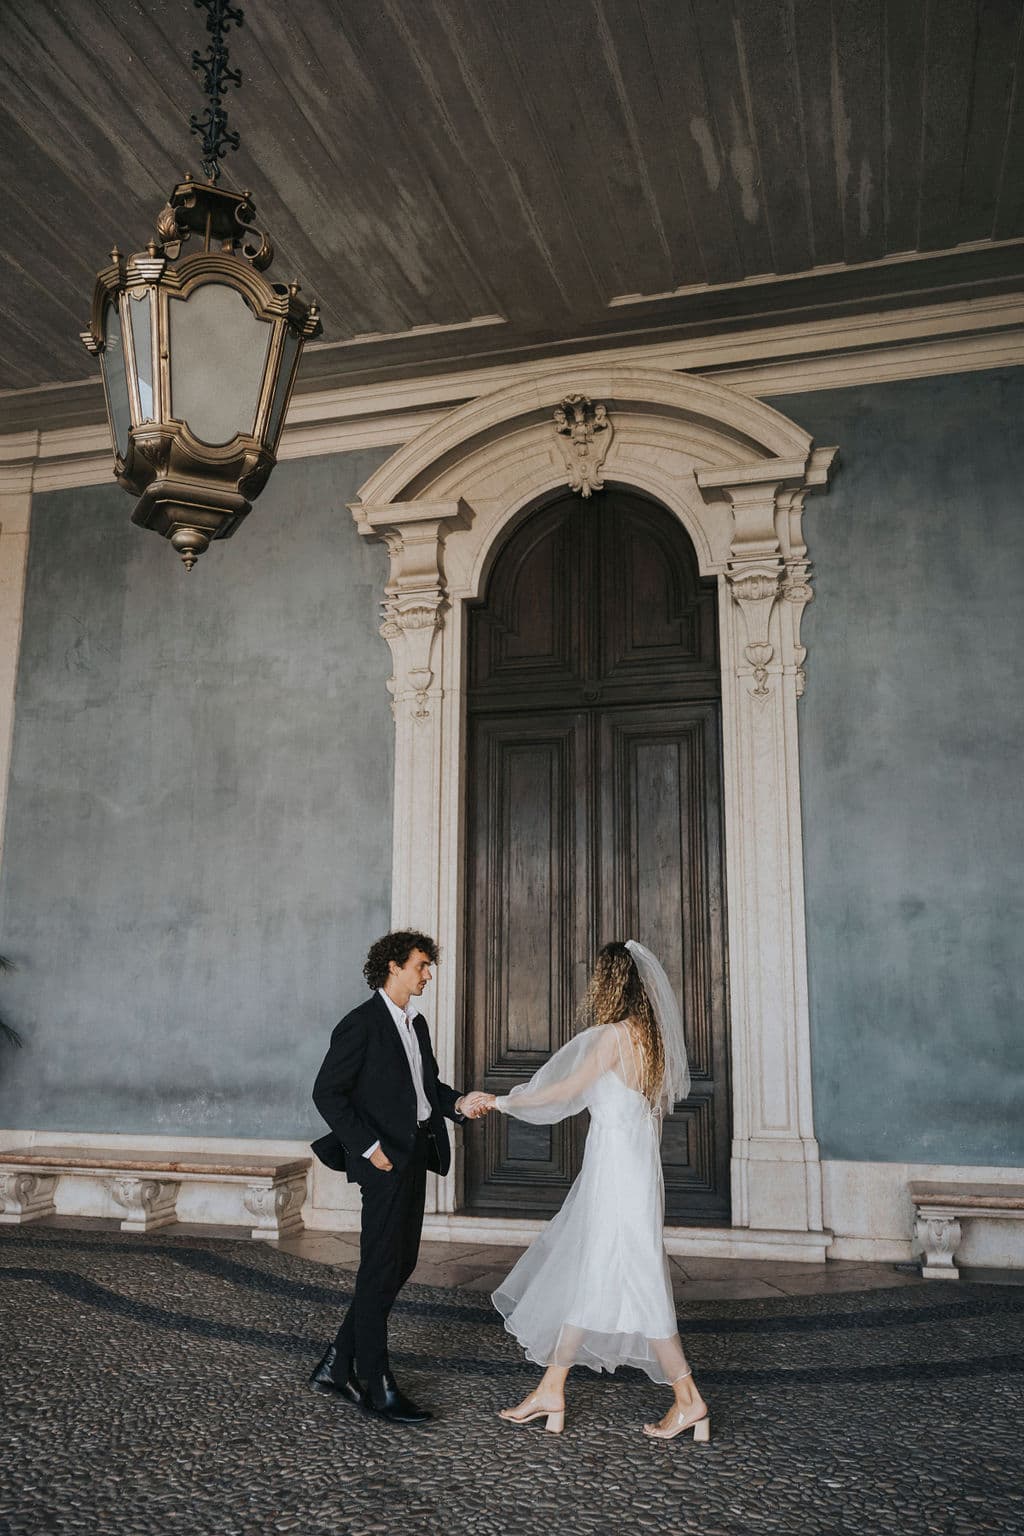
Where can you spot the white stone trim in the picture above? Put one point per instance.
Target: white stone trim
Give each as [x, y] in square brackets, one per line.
[928, 340]
[735, 473]
[17, 459]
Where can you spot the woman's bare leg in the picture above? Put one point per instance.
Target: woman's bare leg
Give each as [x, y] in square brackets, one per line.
[689, 1406]
[547, 1397]
[549, 1394]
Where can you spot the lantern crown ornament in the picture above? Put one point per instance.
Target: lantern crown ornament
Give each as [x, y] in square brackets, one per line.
[198, 351]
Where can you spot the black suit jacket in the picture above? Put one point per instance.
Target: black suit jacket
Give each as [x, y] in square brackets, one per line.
[364, 1091]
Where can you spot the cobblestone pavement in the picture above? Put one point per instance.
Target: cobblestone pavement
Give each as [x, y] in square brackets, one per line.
[158, 1385]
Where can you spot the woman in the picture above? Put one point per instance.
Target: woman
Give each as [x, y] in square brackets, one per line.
[594, 1288]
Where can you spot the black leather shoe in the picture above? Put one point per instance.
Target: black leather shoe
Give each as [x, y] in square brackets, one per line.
[390, 1403]
[323, 1380]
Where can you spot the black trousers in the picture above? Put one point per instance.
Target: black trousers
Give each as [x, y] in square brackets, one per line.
[392, 1221]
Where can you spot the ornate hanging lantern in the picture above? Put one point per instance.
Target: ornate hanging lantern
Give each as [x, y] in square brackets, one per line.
[198, 354]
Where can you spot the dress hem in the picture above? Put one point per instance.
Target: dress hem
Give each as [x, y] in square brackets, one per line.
[599, 1367]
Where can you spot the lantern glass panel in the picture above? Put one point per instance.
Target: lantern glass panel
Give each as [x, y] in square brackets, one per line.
[283, 389]
[115, 381]
[142, 341]
[218, 356]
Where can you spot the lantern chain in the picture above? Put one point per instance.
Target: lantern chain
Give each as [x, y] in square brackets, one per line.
[216, 78]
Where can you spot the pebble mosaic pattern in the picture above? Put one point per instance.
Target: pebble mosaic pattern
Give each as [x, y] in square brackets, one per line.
[158, 1385]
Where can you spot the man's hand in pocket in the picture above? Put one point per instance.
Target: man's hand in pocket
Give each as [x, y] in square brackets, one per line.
[380, 1159]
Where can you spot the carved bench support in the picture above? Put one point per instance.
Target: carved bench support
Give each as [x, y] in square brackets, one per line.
[940, 1210]
[270, 1191]
[276, 1208]
[939, 1237]
[26, 1196]
[150, 1203]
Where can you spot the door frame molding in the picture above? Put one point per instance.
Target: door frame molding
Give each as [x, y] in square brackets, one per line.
[735, 473]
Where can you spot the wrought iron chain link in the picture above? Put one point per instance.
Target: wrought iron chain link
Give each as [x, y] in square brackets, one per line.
[216, 78]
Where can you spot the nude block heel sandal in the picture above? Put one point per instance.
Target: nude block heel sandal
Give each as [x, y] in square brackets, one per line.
[555, 1418]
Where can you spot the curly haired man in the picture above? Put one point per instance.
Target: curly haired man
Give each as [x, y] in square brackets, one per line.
[379, 1091]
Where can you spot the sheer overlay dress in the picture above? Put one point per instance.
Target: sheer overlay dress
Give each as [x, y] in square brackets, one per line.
[594, 1288]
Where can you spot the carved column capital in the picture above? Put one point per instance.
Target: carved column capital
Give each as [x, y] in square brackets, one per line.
[410, 626]
[755, 592]
[768, 556]
[415, 597]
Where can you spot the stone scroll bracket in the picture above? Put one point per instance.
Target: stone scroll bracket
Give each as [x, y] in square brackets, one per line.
[768, 558]
[415, 600]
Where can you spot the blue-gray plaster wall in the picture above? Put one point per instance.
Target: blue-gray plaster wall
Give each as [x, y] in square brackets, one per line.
[911, 751]
[198, 831]
[198, 835]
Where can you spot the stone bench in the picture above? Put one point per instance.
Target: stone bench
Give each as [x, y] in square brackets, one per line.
[146, 1184]
[940, 1209]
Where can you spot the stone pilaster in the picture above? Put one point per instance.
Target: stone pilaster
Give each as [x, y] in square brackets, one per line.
[416, 626]
[776, 1166]
[18, 455]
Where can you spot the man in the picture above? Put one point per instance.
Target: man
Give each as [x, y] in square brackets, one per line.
[379, 1092]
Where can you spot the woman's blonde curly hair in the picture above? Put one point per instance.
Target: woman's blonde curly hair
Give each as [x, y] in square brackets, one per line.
[615, 994]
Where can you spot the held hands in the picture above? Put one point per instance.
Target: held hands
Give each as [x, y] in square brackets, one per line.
[475, 1105]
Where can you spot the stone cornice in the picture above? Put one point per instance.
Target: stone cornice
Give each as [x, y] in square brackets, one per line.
[963, 337]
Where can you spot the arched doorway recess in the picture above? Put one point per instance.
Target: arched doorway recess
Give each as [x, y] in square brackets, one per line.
[593, 809]
[735, 473]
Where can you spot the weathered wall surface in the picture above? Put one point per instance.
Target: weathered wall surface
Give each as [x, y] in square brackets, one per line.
[912, 744]
[198, 839]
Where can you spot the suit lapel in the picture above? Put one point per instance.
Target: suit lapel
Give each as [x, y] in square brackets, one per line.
[389, 1030]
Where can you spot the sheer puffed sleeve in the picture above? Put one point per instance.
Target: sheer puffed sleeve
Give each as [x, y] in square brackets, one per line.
[563, 1085]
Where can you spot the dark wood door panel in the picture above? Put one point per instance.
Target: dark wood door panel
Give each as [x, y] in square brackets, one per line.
[594, 601]
[594, 811]
[525, 926]
[661, 882]
[659, 619]
[530, 636]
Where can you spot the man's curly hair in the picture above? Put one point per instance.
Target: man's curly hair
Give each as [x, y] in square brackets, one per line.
[398, 947]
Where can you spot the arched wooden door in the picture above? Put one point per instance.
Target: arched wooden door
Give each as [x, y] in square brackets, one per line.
[594, 812]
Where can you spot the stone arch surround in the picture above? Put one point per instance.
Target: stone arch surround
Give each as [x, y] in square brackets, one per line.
[735, 473]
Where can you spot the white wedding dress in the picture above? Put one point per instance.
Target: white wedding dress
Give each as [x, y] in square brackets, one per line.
[594, 1288]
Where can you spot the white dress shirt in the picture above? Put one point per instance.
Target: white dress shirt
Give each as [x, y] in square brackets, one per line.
[403, 1018]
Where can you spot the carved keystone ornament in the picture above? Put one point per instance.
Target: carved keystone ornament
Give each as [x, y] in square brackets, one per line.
[584, 432]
